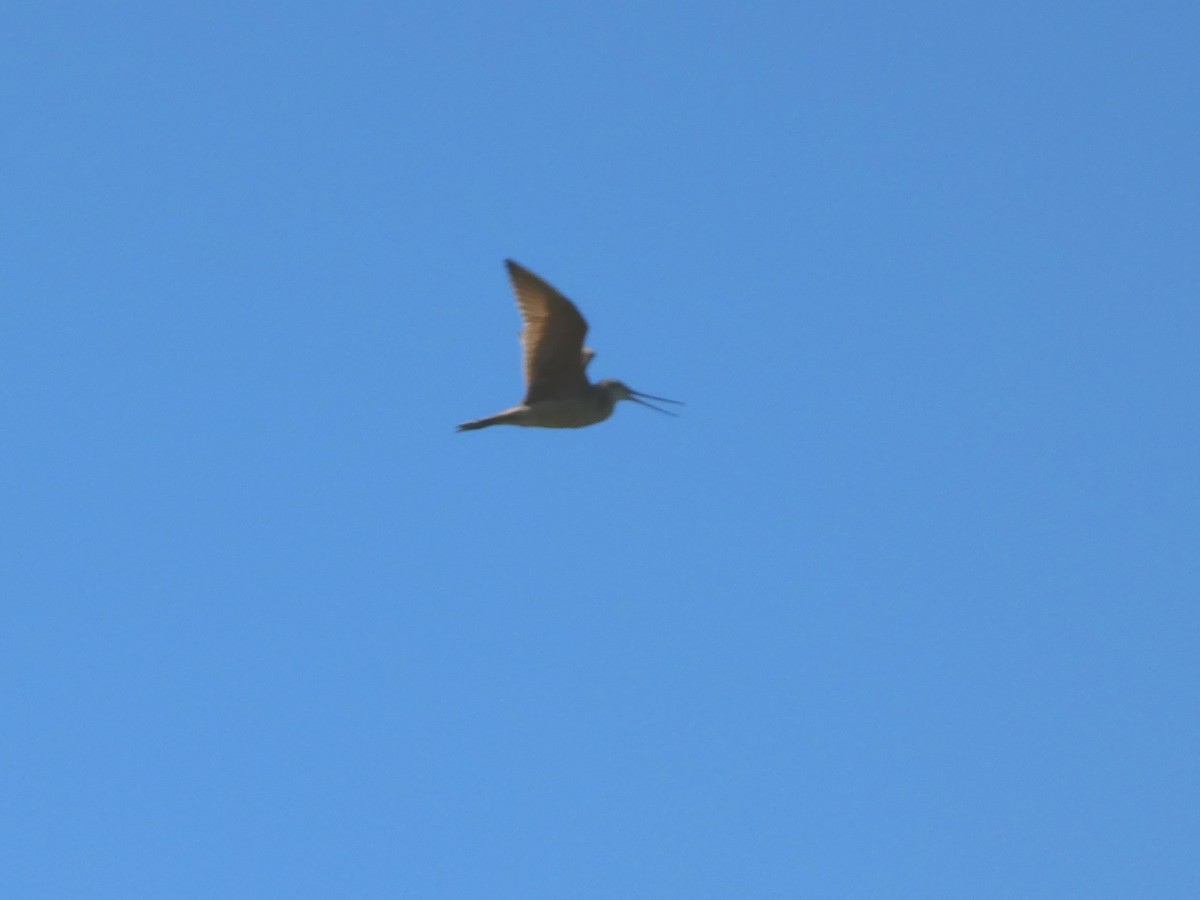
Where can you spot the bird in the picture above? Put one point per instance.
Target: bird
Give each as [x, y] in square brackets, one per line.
[557, 391]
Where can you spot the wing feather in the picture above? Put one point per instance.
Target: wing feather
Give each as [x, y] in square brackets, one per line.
[554, 355]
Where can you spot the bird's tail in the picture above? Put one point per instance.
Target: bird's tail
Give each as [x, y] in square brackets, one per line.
[481, 423]
[514, 416]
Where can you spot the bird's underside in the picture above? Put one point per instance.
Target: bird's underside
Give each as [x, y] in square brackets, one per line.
[547, 414]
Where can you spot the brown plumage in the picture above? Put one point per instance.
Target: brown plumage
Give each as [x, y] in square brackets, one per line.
[552, 339]
[557, 391]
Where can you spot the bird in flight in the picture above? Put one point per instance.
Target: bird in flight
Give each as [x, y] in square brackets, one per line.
[557, 391]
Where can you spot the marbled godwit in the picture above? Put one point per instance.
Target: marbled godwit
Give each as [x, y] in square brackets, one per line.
[557, 391]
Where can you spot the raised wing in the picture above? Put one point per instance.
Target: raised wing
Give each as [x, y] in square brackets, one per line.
[553, 338]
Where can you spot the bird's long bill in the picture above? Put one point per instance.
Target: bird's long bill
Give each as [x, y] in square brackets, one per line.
[637, 396]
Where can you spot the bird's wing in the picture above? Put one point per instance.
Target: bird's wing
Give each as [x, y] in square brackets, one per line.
[553, 338]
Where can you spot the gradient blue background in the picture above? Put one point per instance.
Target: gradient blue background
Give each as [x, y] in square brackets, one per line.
[904, 605]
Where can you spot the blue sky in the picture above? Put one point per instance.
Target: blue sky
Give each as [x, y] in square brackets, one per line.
[905, 603]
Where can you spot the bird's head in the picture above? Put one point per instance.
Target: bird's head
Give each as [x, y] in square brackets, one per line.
[620, 391]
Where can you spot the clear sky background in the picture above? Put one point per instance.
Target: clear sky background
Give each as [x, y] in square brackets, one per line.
[904, 605]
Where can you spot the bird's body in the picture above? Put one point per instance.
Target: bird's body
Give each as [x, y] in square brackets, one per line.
[594, 405]
[558, 393]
